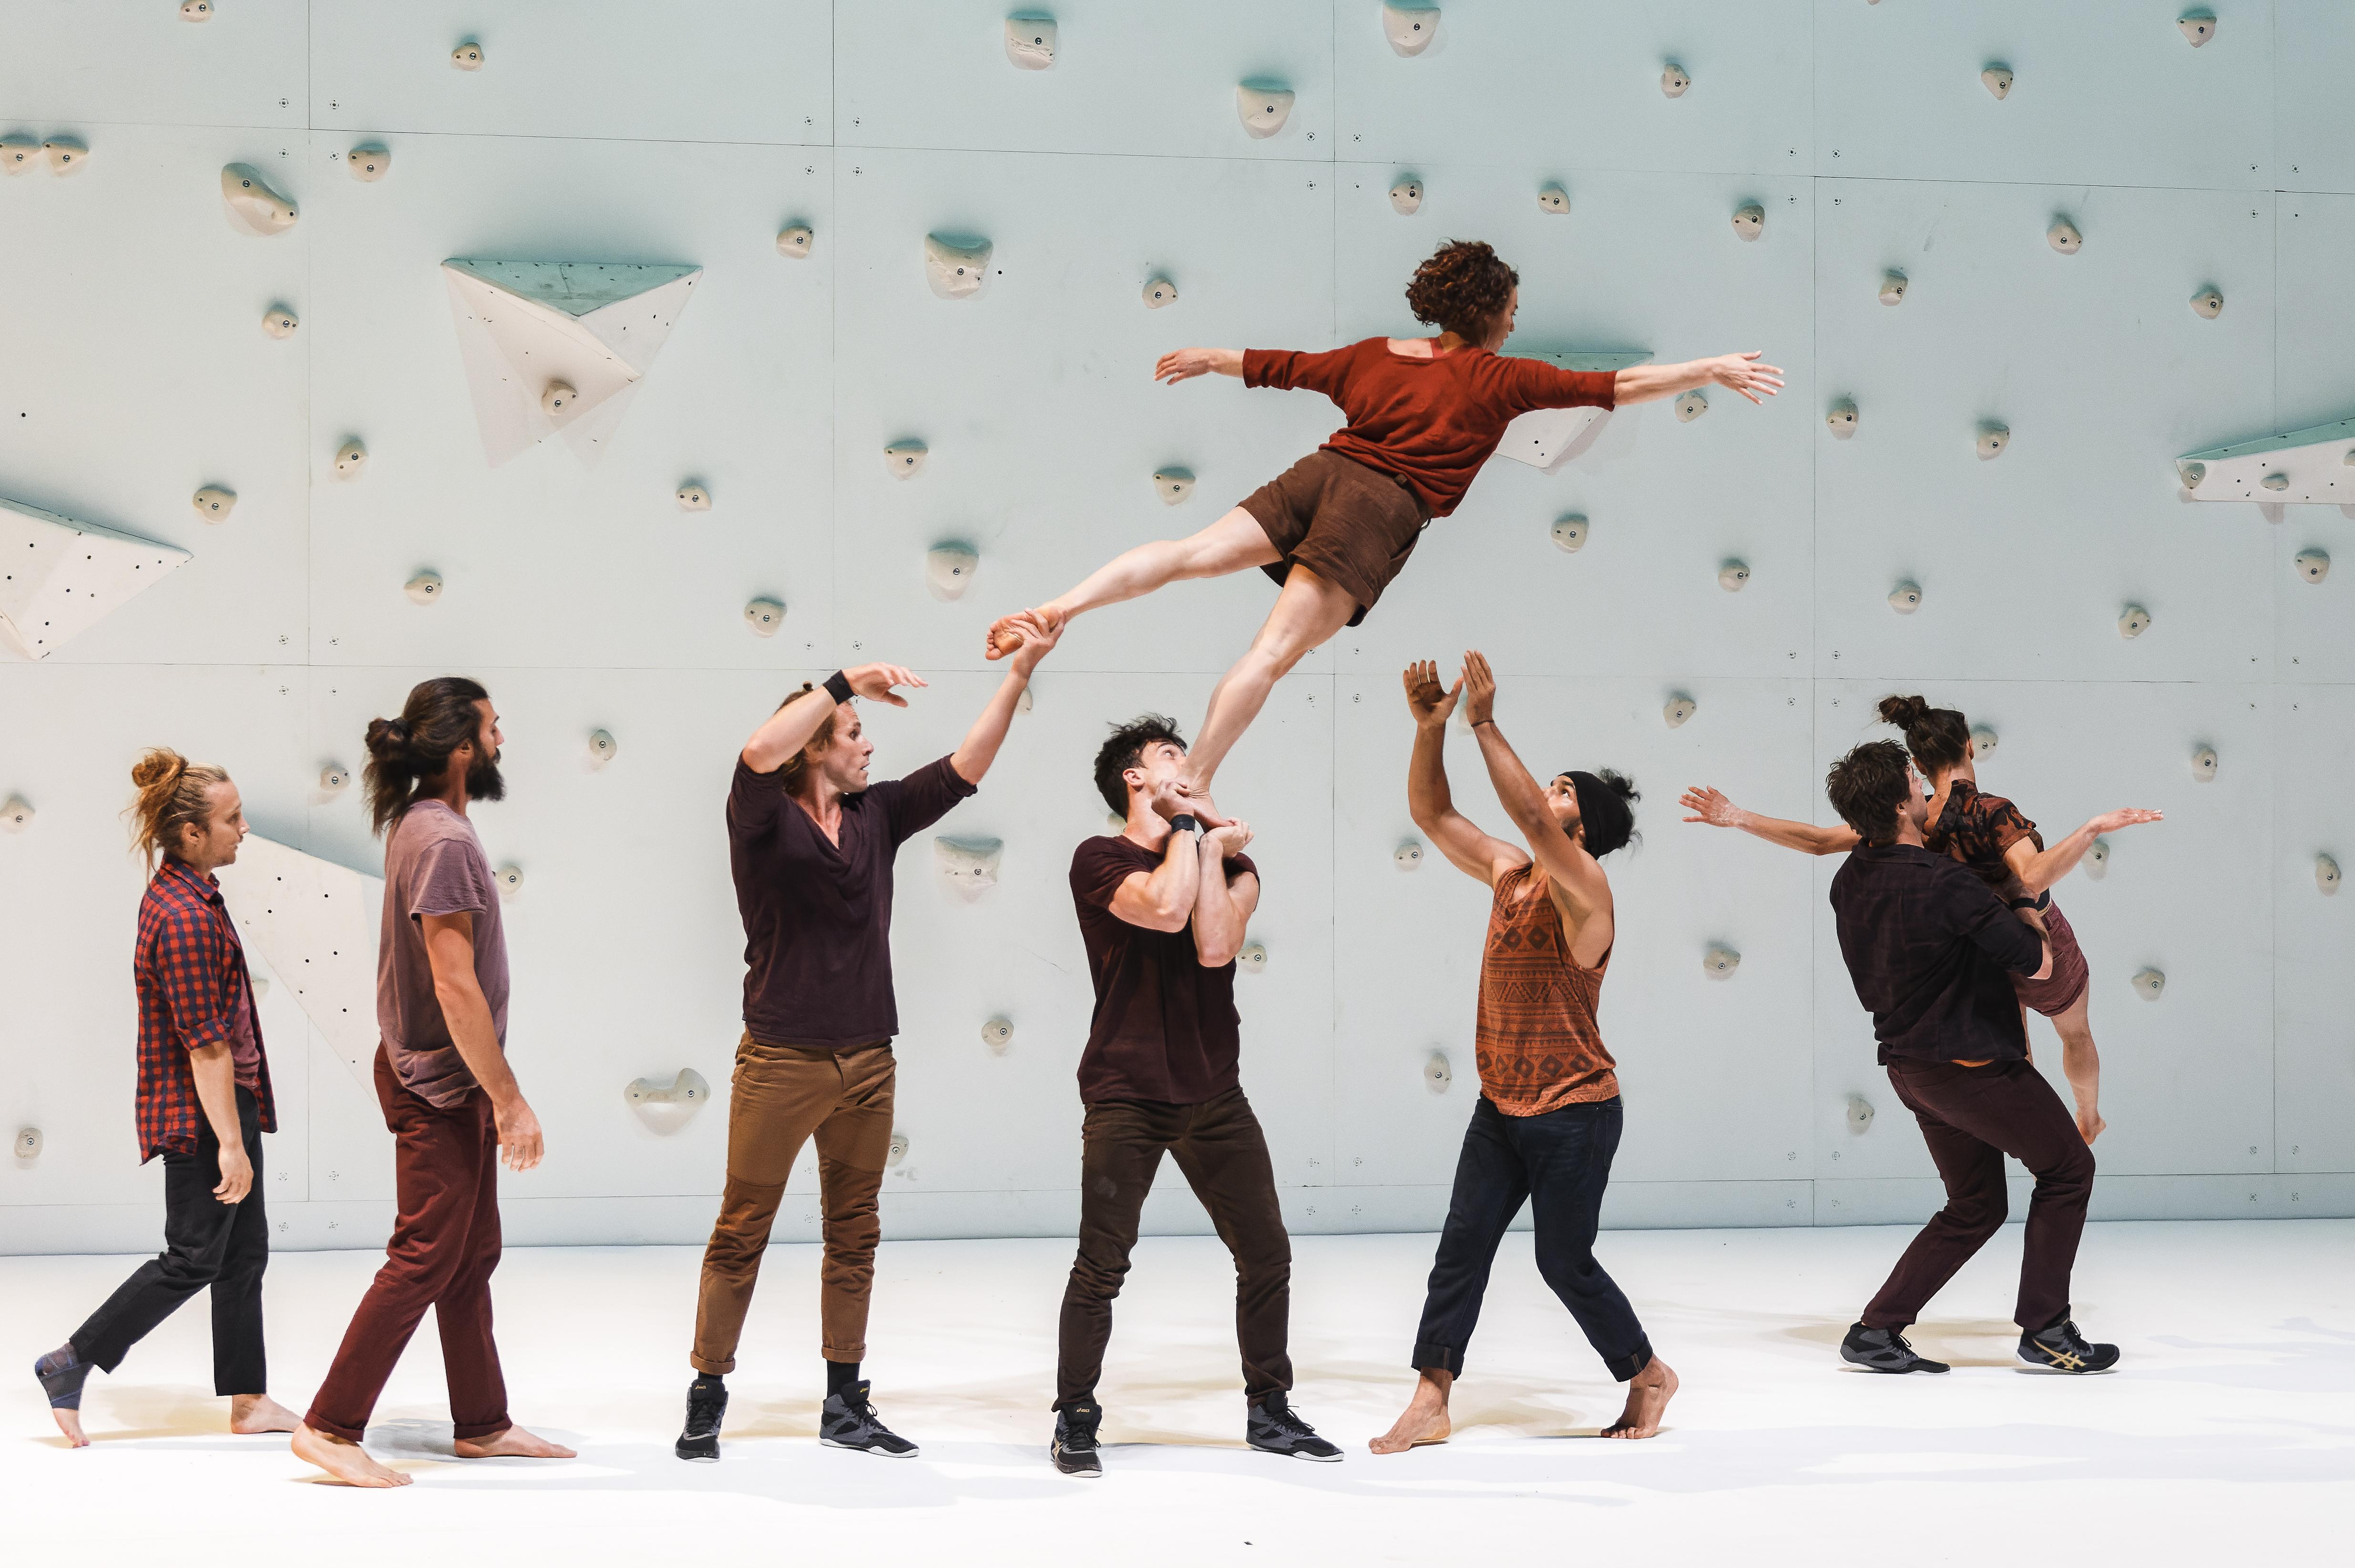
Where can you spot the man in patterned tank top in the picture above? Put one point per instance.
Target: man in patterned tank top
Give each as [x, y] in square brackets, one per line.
[1548, 1119]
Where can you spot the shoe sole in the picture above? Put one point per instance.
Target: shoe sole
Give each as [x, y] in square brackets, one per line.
[1086, 1472]
[1897, 1371]
[700, 1458]
[879, 1452]
[1295, 1454]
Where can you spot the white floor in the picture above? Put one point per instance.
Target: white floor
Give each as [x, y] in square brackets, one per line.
[2226, 1436]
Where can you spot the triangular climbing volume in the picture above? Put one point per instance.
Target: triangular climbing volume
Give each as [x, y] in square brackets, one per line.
[2315, 466]
[557, 347]
[315, 924]
[59, 577]
[1548, 437]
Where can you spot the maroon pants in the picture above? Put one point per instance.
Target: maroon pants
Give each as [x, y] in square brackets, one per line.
[443, 1248]
[1971, 1118]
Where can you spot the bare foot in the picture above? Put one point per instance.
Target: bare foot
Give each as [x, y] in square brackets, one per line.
[515, 1443]
[1200, 805]
[69, 1423]
[1005, 631]
[251, 1413]
[1648, 1393]
[346, 1462]
[1426, 1419]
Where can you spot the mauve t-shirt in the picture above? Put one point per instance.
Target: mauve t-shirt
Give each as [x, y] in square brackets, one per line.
[1166, 1027]
[433, 864]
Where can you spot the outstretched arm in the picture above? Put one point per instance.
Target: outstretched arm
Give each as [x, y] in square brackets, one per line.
[1428, 798]
[1739, 372]
[1708, 805]
[789, 729]
[979, 748]
[1184, 363]
[2039, 869]
[1222, 909]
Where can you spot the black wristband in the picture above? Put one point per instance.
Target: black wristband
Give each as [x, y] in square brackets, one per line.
[1183, 822]
[837, 686]
[2037, 903]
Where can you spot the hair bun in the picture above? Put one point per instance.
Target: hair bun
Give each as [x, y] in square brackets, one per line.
[1904, 711]
[160, 768]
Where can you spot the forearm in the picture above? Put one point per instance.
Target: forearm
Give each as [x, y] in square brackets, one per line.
[468, 1015]
[2039, 872]
[788, 730]
[1226, 361]
[1176, 884]
[1429, 798]
[1648, 383]
[1518, 793]
[1805, 837]
[1218, 922]
[979, 748]
[215, 1070]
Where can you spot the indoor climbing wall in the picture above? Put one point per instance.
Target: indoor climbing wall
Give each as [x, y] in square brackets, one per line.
[643, 361]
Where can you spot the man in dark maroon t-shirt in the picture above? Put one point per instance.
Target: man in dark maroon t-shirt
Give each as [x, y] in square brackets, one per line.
[811, 843]
[1165, 907]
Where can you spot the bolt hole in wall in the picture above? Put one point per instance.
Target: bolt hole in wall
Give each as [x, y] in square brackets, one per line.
[539, 393]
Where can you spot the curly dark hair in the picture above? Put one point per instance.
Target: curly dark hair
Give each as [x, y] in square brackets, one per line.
[1120, 753]
[1464, 288]
[1868, 786]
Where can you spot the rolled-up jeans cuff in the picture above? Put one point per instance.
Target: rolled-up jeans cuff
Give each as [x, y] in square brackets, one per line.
[1429, 1357]
[1635, 1361]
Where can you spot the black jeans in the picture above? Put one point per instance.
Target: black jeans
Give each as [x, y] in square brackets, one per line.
[206, 1242]
[1563, 1161]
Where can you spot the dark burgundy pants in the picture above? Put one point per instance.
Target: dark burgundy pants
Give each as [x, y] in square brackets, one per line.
[1971, 1118]
[443, 1248]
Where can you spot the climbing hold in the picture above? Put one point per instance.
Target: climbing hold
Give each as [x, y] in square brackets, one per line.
[764, 615]
[1750, 222]
[279, 322]
[510, 880]
[1022, 702]
[1719, 961]
[1841, 420]
[467, 55]
[667, 1107]
[2313, 565]
[65, 155]
[2203, 765]
[556, 399]
[1679, 709]
[1031, 42]
[694, 498]
[2134, 622]
[2325, 873]
[2209, 302]
[1733, 577]
[1437, 1073]
[2275, 481]
[1860, 1115]
[1407, 856]
[1172, 484]
[351, 458]
[2148, 983]
[603, 748]
[1691, 406]
[1253, 956]
[28, 1139]
[424, 587]
[1992, 439]
[15, 815]
[2190, 473]
[2309, 467]
[2064, 236]
[252, 205]
[1159, 292]
[1997, 79]
[1983, 741]
[1893, 288]
[1673, 80]
[1570, 533]
[1554, 199]
[1905, 597]
[905, 457]
[969, 865]
[1406, 198]
[898, 1148]
[334, 778]
[956, 272]
[195, 10]
[2197, 27]
[1264, 110]
[213, 503]
[17, 154]
[997, 1034]
[948, 569]
[794, 241]
[370, 162]
[1409, 29]
[2097, 860]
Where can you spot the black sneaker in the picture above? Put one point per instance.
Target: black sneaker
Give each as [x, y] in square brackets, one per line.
[848, 1421]
[1885, 1350]
[2061, 1349]
[1074, 1449]
[1274, 1429]
[707, 1401]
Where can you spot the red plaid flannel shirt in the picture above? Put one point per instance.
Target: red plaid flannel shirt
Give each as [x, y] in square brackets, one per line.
[192, 990]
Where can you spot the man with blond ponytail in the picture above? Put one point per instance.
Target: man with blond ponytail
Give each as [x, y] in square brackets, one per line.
[203, 1104]
[441, 1076]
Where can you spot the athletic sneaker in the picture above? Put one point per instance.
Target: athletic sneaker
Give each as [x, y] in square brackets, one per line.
[1074, 1450]
[1884, 1351]
[848, 1421]
[1273, 1428]
[707, 1401]
[2060, 1348]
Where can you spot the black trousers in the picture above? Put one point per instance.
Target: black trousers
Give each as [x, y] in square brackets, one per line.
[205, 1243]
[1561, 1160]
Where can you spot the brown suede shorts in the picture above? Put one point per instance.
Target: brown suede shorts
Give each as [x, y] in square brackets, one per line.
[2057, 992]
[1350, 525]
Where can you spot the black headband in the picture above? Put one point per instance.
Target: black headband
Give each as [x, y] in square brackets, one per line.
[1603, 811]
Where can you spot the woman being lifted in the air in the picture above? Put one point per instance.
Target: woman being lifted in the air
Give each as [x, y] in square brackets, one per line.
[1424, 413]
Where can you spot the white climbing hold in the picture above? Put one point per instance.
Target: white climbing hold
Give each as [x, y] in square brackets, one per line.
[904, 459]
[1253, 956]
[1997, 79]
[369, 163]
[1841, 420]
[1893, 288]
[2313, 565]
[2197, 27]
[467, 55]
[1860, 1115]
[510, 880]
[2064, 236]
[2275, 481]
[18, 153]
[1264, 110]
[2097, 860]
[2190, 473]
[1679, 709]
[1691, 406]
[997, 1034]
[794, 241]
[66, 155]
[1673, 80]
[2203, 765]
[1406, 198]
[195, 10]
[61, 578]
[15, 814]
[351, 459]
[213, 503]
[1409, 29]
[2148, 983]
[1905, 597]
[253, 205]
[1553, 199]
[1022, 702]
[425, 588]
[1407, 856]
[603, 748]
[956, 272]
[1570, 533]
[764, 615]
[1992, 440]
[2209, 302]
[1983, 741]
[1750, 222]
[558, 401]
[1733, 577]
[1719, 961]
[969, 865]
[694, 498]
[279, 321]
[898, 1148]
[1437, 1073]
[949, 568]
[667, 1107]
[333, 779]
[2326, 874]
[1172, 484]
[1031, 42]
[2134, 622]
[1159, 292]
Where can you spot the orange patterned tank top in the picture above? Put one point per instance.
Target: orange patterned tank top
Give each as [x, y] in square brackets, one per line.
[1538, 1045]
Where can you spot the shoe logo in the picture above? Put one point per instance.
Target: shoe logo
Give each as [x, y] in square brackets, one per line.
[2067, 1360]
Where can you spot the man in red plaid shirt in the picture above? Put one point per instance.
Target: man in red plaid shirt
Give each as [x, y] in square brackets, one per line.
[203, 1104]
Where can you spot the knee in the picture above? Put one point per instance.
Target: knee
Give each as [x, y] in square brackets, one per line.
[1095, 1279]
[1979, 1215]
[2073, 1170]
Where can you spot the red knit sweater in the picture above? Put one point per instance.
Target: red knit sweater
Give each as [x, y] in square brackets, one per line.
[1432, 422]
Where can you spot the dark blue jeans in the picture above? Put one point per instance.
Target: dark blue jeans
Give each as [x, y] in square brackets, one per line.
[1561, 1160]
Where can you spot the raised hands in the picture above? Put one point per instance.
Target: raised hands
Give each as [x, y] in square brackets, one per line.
[1479, 688]
[1430, 702]
[874, 681]
[1007, 632]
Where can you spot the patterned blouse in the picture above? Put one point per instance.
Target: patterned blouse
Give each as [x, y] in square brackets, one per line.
[1977, 829]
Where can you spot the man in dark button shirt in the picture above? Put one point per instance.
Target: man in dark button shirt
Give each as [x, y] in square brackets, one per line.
[1932, 950]
[811, 843]
[1164, 907]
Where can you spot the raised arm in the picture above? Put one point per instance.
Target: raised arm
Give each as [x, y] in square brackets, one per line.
[1428, 797]
[979, 748]
[1577, 877]
[1184, 363]
[1738, 372]
[1222, 909]
[1163, 899]
[450, 952]
[1712, 808]
[2039, 869]
[789, 729]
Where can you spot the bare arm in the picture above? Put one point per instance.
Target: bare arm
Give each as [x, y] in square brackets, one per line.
[1163, 899]
[979, 748]
[215, 1070]
[1708, 805]
[1184, 363]
[1739, 372]
[789, 729]
[1577, 877]
[2039, 869]
[450, 951]
[1222, 909]
[1428, 797]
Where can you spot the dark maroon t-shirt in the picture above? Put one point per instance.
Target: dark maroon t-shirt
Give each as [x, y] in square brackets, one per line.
[817, 918]
[1165, 1028]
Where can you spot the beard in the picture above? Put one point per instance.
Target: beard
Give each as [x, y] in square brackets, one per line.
[483, 780]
